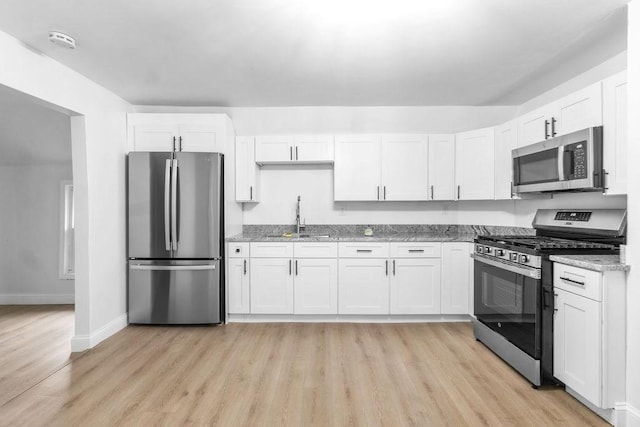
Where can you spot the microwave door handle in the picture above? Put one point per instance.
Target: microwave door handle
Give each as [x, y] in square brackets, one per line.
[561, 176]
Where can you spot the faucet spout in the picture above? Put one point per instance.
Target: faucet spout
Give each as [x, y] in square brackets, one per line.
[298, 226]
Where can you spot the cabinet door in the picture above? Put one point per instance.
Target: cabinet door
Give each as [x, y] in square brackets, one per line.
[534, 126]
[356, 174]
[614, 122]
[577, 337]
[579, 110]
[505, 140]
[154, 137]
[442, 160]
[313, 148]
[415, 286]
[455, 282]
[238, 285]
[272, 285]
[475, 165]
[195, 137]
[246, 170]
[363, 286]
[405, 167]
[274, 149]
[316, 286]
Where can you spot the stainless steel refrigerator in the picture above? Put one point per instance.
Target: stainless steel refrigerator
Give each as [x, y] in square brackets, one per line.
[175, 238]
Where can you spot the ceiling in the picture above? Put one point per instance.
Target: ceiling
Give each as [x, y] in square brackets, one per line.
[246, 53]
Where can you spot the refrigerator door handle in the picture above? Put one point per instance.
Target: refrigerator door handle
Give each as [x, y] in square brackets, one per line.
[174, 205]
[173, 267]
[167, 202]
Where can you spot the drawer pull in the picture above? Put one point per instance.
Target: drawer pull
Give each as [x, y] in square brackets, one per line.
[364, 250]
[416, 250]
[575, 282]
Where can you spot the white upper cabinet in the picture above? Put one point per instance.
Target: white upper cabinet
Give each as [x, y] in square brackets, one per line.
[580, 110]
[506, 139]
[404, 167]
[475, 164]
[177, 132]
[614, 118]
[357, 168]
[247, 189]
[442, 159]
[294, 148]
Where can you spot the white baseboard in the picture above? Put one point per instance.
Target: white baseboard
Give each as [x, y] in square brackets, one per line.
[85, 342]
[36, 299]
[332, 318]
[627, 415]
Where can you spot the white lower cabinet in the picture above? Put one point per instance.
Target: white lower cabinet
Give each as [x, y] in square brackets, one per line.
[238, 274]
[364, 286]
[456, 280]
[272, 285]
[315, 286]
[589, 333]
[577, 338]
[415, 286]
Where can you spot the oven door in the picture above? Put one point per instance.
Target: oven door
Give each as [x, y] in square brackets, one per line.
[507, 300]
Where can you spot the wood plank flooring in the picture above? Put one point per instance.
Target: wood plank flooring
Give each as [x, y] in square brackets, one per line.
[292, 374]
[34, 343]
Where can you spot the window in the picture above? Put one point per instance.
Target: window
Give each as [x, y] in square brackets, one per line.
[67, 222]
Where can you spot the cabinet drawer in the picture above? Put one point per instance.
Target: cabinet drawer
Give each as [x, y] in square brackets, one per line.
[315, 250]
[271, 250]
[579, 281]
[363, 250]
[416, 250]
[238, 250]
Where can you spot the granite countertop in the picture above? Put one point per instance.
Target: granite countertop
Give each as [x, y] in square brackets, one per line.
[381, 233]
[592, 262]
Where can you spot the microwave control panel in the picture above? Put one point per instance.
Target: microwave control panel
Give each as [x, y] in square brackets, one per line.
[576, 160]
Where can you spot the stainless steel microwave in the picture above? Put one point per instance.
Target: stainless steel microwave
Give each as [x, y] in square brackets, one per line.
[571, 162]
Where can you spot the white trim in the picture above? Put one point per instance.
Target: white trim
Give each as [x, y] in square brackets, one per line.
[342, 318]
[627, 415]
[63, 272]
[36, 299]
[85, 342]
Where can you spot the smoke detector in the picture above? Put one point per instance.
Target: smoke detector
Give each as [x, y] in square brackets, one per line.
[62, 39]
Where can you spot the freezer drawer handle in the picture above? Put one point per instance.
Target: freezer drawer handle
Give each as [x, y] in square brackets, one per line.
[574, 282]
[172, 267]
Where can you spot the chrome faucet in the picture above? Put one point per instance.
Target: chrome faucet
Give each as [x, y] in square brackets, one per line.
[298, 225]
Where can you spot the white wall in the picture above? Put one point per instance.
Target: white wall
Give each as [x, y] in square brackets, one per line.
[30, 235]
[633, 234]
[98, 148]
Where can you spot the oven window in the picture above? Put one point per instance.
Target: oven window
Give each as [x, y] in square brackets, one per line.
[507, 302]
[537, 167]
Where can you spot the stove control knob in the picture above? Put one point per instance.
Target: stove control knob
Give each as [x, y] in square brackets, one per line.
[479, 249]
[499, 252]
[488, 250]
[524, 258]
[513, 256]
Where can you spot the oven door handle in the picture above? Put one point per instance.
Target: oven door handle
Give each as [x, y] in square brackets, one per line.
[518, 269]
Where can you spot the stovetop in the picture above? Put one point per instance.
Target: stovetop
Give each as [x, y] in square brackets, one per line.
[542, 243]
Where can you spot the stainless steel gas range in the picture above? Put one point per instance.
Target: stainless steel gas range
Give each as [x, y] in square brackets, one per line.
[513, 283]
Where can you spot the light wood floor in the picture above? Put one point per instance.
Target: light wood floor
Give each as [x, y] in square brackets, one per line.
[294, 375]
[34, 343]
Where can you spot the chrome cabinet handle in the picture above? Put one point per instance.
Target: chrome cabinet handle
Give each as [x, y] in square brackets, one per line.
[546, 129]
[553, 126]
[245, 267]
[386, 267]
[364, 250]
[416, 250]
[296, 267]
[575, 282]
[290, 153]
[289, 267]
[251, 192]
[378, 192]
[432, 192]
[458, 192]
[296, 152]
[555, 296]
[394, 267]
[180, 144]
[173, 146]
[384, 191]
